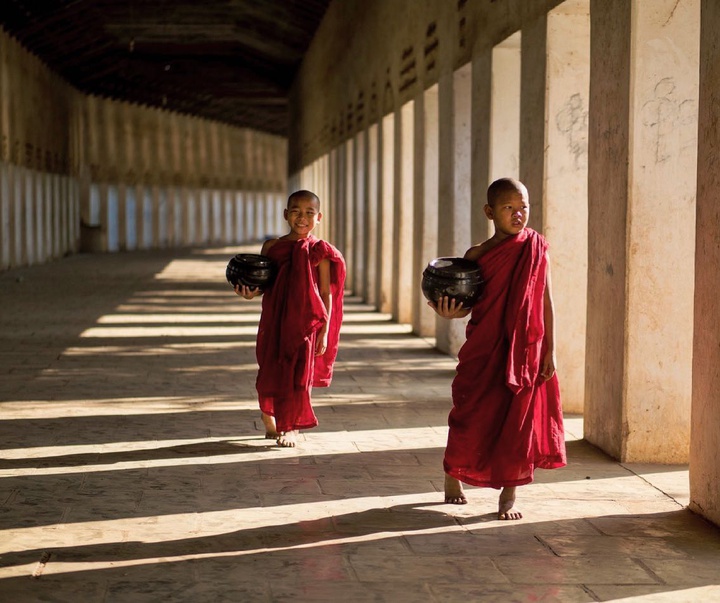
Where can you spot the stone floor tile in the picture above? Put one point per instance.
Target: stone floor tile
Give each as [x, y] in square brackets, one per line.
[512, 593]
[408, 591]
[573, 570]
[644, 548]
[428, 568]
[656, 594]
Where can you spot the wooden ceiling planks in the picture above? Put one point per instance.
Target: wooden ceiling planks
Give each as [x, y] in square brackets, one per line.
[227, 60]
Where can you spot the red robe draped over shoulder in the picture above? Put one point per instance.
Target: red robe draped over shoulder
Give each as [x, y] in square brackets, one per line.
[292, 314]
[506, 420]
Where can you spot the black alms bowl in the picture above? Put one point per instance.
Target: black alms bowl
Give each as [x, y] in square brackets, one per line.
[456, 278]
[251, 270]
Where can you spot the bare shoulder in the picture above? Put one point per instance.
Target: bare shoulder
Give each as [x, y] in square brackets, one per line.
[267, 246]
[477, 251]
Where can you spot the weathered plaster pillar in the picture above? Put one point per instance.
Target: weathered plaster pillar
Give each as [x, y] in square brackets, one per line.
[533, 48]
[403, 251]
[505, 109]
[705, 435]
[349, 212]
[358, 220]
[482, 149]
[249, 217]
[642, 166]
[565, 187]
[217, 215]
[259, 226]
[386, 212]
[426, 203]
[454, 99]
[332, 198]
[324, 188]
[340, 214]
[371, 215]
[5, 230]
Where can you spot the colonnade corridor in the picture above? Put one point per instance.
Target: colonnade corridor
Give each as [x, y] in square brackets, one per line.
[133, 464]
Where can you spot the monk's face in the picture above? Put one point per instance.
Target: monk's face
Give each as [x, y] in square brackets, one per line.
[302, 215]
[509, 213]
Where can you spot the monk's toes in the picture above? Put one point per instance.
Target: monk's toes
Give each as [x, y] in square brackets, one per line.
[286, 442]
[456, 500]
[509, 515]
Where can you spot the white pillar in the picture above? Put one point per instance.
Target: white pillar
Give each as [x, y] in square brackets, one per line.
[372, 236]
[358, 219]
[5, 226]
[505, 109]
[454, 96]
[403, 251]
[386, 213]
[642, 175]
[705, 443]
[349, 212]
[566, 173]
[426, 204]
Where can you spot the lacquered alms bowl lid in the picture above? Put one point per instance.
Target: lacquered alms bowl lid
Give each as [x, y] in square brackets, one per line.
[254, 259]
[452, 267]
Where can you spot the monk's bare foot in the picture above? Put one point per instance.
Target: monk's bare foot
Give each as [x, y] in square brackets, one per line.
[271, 432]
[506, 505]
[288, 439]
[454, 494]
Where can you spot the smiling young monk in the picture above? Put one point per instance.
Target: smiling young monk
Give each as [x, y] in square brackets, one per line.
[299, 329]
[506, 418]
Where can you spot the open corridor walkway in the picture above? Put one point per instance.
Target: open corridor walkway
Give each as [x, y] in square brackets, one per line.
[133, 465]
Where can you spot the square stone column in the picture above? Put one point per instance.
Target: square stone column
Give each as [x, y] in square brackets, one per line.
[705, 431]
[359, 213]
[371, 215]
[403, 251]
[348, 247]
[642, 165]
[564, 219]
[482, 145]
[454, 214]
[505, 86]
[386, 213]
[426, 203]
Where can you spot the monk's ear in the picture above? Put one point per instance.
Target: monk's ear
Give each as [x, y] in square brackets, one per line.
[285, 214]
[319, 216]
[488, 211]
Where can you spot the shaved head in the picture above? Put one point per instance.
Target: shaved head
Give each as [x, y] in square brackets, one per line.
[499, 189]
[297, 195]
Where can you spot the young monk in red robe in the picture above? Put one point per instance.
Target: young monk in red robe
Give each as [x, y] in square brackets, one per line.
[506, 418]
[299, 327]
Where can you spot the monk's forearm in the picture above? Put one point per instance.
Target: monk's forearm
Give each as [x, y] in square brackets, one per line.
[328, 303]
[549, 320]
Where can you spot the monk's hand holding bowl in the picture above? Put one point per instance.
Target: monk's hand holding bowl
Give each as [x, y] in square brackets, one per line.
[247, 292]
[448, 308]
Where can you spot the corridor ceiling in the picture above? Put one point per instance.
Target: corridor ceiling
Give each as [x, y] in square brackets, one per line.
[227, 60]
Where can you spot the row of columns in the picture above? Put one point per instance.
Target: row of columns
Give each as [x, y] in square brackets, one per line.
[39, 215]
[149, 217]
[80, 172]
[595, 107]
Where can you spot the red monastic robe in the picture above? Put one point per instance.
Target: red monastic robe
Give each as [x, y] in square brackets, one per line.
[506, 420]
[292, 315]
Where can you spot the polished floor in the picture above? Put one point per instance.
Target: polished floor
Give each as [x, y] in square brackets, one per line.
[133, 465]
